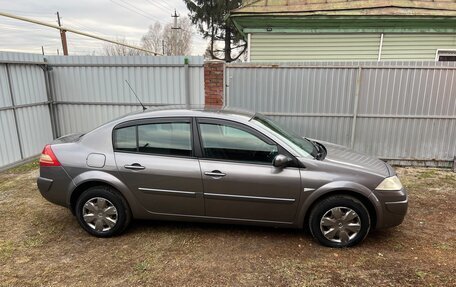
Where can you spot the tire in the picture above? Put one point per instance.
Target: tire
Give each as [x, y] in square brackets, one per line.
[102, 211]
[339, 221]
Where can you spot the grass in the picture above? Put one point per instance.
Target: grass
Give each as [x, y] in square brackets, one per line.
[142, 266]
[41, 244]
[6, 249]
[33, 165]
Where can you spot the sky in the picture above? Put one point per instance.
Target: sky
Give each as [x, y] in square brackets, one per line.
[113, 19]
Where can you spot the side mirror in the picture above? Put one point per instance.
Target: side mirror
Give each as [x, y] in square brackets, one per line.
[281, 160]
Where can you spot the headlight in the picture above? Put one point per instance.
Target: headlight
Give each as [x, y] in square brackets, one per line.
[390, 183]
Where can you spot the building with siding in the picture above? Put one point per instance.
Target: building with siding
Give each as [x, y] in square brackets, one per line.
[345, 30]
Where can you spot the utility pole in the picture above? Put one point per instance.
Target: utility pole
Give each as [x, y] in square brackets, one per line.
[174, 28]
[62, 36]
[42, 50]
[163, 46]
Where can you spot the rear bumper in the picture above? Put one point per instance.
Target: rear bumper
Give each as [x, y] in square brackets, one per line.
[53, 184]
[394, 207]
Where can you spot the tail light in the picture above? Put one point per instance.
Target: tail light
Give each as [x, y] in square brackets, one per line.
[48, 157]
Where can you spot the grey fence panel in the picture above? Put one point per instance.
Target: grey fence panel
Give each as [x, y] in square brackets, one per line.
[5, 97]
[394, 110]
[90, 90]
[28, 84]
[34, 129]
[408, 113]
[24, 113]
[300, 98]
[80, 118]
[9, 144]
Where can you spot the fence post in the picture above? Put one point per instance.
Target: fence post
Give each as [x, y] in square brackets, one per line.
[214, 82]
[187, 83]
[13, 106]
[51, 104]
[355, 107]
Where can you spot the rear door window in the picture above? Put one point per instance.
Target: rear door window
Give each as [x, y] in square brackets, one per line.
[173, 138]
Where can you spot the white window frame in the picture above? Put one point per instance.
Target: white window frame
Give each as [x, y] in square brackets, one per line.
[444, 52]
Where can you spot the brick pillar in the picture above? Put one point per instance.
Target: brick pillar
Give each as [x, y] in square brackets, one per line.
[213, 83]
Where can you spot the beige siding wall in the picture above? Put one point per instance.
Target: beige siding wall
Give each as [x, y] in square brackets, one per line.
[347, 47]
[311, 47]
[415, 46]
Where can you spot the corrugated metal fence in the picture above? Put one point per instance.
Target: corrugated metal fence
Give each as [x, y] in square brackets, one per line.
[25, 123]
[55, 95]
[399, 111]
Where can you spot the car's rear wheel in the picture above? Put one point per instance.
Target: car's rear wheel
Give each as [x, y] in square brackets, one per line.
[339, 221]
[102, 211]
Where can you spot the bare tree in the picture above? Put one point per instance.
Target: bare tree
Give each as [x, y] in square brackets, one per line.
[152, 40]
[111, 49]
[178, 41]
[169, 40]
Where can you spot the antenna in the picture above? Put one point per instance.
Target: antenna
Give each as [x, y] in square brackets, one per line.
[143, 107]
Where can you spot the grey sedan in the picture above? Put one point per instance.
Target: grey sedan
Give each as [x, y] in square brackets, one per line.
[218, 166]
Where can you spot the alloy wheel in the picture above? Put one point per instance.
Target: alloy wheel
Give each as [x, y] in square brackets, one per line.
[340, 224]
[99, 214]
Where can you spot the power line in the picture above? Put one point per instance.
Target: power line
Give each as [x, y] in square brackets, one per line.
[159, 5]
[136, 10]
[165, 3]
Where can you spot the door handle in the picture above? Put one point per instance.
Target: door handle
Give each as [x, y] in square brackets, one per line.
[135, 166]
[215, 173]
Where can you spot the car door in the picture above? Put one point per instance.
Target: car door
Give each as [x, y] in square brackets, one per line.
[239, 179]
[156, 160]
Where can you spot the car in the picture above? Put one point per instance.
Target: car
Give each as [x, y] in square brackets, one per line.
[222, 166]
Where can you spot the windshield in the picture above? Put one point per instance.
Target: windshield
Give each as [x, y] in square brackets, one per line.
[303, 146]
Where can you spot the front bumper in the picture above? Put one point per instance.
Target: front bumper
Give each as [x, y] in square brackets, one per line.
[53, 184]
[394, 206]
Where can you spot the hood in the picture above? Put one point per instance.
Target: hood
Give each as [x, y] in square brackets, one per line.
[343, 156]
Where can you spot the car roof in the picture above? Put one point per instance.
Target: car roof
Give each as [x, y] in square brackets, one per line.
[224, 113]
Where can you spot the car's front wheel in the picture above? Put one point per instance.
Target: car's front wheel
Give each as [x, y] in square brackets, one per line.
[339, 221]
[102, 211]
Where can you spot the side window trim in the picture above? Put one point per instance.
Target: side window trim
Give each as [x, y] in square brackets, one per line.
[138, 122]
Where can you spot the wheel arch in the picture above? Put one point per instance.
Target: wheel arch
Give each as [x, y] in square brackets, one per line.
[357, 191]
[98, 178]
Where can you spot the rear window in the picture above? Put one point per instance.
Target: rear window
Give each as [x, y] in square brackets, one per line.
[156, 138]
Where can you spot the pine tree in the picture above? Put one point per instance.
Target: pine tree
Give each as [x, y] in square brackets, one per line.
[210, 18]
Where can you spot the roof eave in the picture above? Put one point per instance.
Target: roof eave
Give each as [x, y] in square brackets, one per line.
[341, 6]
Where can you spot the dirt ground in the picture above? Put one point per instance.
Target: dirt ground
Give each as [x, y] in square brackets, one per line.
[42, 245]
